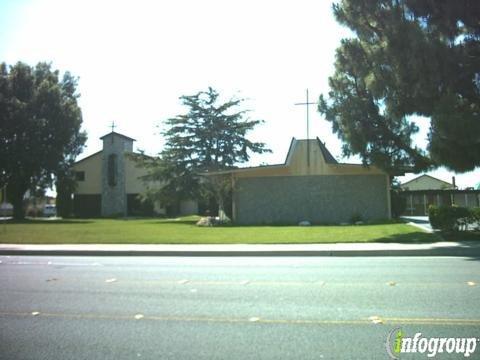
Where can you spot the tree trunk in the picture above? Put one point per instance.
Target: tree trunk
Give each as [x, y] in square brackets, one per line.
[18, 210]
[65, 188]
[15, 195]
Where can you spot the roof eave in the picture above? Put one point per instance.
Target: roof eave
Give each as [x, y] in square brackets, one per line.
[118, 134]
[242, 170]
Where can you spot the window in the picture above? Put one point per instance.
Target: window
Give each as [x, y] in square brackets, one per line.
[112, 170]
[80, 175]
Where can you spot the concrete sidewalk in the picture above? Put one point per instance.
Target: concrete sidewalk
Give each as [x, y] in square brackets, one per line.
[467, 249]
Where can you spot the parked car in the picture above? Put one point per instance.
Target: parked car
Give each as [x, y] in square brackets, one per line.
[6, 209]
[49, 210]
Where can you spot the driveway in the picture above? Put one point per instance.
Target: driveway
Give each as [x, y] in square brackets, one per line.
[420, 221]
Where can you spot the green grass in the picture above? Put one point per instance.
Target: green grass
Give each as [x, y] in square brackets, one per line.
[184, 231]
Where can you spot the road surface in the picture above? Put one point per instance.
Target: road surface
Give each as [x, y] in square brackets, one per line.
[233, 307]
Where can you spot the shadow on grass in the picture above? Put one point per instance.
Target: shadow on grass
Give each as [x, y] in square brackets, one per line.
[177, 222]
[416, 237]
[462, 236]
[423, 237]
[46, 221]
[276, 224]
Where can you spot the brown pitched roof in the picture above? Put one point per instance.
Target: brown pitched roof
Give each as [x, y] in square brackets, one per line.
[115, 133]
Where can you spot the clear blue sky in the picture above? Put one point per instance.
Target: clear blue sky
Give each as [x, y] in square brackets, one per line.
[136, 58]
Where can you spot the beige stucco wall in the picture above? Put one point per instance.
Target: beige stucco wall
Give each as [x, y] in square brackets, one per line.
[92, 184]
[426, 183]
[133, 182]
[92, 166]
[135, 185]
[133, 174]
[297, 165]
[264, 171]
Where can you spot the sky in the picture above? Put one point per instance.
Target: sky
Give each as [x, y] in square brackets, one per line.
[134, 59]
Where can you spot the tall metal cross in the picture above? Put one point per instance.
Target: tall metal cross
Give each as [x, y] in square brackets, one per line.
[307, 104]
[113, 126]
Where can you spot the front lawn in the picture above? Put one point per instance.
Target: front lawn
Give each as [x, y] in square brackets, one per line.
[184, 231]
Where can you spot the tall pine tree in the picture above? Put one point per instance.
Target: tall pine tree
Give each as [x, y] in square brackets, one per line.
[408, 57]
[211, 136]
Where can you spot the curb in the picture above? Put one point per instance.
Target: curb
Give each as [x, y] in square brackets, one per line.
[242, 253]
[466, 249]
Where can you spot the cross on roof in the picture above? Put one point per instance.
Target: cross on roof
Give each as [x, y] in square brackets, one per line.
[113, 126]
[307, 104]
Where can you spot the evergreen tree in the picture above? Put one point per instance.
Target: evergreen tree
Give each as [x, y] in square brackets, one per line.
[408, 57]
[210, 137]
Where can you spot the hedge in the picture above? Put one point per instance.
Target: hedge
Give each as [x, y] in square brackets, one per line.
[453, 218]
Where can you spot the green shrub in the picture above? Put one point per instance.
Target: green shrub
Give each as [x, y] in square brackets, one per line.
[475, 213]
[475, 217]
[356, 218]
[449, 218]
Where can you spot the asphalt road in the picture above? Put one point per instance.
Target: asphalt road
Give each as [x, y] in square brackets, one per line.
[232, 308]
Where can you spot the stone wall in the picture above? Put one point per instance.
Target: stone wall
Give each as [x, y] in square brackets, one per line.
[318, 199]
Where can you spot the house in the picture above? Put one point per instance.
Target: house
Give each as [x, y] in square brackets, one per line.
[425, 190]
[309, 186]
[426, 182]
[109, 182]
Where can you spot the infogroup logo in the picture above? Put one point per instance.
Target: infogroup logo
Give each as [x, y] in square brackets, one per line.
[398, 343]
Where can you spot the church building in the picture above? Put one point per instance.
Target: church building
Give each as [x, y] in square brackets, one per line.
[309, 186]
[109, 182]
